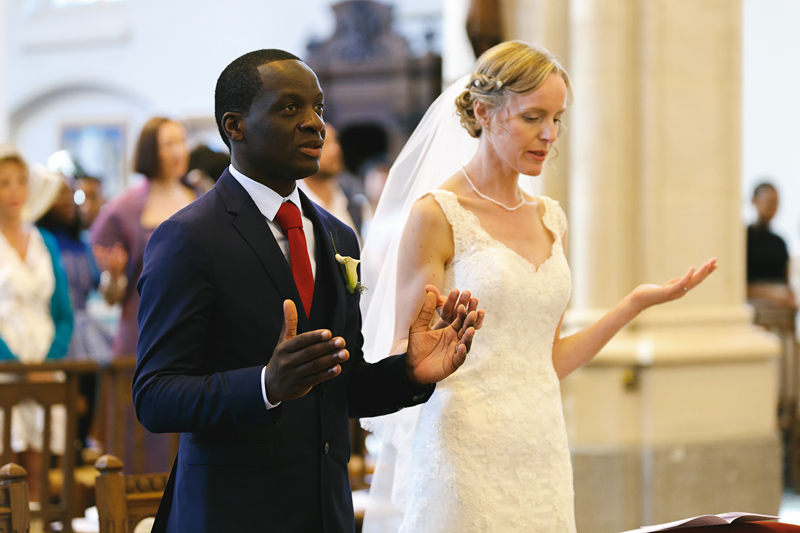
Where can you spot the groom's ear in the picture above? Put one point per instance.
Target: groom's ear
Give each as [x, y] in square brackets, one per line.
[233, 126]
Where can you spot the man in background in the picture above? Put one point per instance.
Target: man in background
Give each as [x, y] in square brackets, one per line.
[325, 189]
[767, 254]
[93, 198]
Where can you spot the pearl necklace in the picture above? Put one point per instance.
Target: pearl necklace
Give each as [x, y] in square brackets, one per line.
[501, 204]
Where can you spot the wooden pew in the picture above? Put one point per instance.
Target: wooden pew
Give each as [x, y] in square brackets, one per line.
[780, 320]
[123, 501]
[15, 515]
[115, 419]
[48, 384]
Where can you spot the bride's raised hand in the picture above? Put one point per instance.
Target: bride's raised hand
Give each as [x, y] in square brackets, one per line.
[434, 354]
[647, 295]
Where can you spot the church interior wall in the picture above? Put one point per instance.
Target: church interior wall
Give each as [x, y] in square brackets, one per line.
[771, 110]
[160, 57]
[169, 54]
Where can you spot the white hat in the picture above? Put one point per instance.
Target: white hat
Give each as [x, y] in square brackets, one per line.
[9, 151]
[43, 185]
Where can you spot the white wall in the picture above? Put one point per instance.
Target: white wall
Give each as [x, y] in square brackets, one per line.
[3, 40]
[136, 58]
[771, 118]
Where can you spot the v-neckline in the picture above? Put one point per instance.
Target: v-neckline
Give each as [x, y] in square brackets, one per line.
[15, 252]
[543, 220]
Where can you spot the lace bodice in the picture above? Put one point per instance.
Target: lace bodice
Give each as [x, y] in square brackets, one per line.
[508, 286]
[490, 451]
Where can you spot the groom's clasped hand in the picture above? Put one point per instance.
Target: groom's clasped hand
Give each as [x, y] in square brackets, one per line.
[436, 347]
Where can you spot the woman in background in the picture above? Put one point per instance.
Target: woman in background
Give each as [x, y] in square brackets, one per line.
[119, 236]
[90, 340]
[124, 226]
[35, 315]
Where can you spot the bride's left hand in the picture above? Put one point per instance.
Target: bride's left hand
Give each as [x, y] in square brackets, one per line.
[649, 294]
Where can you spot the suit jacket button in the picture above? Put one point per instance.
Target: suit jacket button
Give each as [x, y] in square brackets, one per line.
[322, 392]
[326, 448]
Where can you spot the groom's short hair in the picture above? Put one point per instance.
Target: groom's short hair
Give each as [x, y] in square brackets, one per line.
[240, 82]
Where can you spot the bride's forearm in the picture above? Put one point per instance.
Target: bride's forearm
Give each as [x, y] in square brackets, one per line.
[571, 353]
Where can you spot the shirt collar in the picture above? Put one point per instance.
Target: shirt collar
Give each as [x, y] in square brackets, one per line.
[267, 201]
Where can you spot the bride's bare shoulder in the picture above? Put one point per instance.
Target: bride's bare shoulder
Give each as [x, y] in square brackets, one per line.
[427, 211]
[428, 232]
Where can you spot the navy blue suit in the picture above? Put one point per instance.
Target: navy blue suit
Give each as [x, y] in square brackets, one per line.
[210, 316]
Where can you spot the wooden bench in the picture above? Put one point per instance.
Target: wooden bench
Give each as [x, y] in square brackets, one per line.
[15, 515]
[48, 384]
[124, 500]
[115, 421]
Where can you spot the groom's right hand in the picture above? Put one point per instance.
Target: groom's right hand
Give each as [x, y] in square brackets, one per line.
[301, 361]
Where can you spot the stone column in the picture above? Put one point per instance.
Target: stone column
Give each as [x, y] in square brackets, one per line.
[677, 415]
[545, 23]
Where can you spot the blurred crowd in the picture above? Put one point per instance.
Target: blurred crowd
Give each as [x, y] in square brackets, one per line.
[70, 258]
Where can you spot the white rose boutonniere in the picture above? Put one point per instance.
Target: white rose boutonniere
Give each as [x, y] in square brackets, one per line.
[349, 269]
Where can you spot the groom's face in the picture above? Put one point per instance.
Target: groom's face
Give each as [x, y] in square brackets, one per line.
[284, 129]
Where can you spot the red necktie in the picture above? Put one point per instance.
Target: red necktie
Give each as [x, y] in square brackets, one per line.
[292, 225]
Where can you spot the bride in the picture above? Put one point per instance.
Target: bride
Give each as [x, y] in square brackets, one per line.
[488, 451]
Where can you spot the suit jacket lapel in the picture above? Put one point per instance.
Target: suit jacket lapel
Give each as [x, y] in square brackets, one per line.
[252, 226]
[326, 259]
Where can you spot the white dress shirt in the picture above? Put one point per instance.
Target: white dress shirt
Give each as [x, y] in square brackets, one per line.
[268, 202]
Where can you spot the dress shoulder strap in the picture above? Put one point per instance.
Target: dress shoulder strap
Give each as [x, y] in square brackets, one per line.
[461, 220]
[554, 216]
[449, 204]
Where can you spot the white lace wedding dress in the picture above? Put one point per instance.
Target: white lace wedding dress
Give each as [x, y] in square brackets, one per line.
[490, 451]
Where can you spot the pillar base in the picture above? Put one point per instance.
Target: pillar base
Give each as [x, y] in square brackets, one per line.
[675, 419]
[619, 488]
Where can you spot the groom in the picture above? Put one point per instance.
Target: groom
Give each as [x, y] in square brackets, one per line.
[250, 341]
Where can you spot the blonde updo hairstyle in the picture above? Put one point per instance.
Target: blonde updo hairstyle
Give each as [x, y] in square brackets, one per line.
[512, 67]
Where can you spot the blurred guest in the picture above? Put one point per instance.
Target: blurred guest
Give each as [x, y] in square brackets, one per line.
[88, 189]
[124, 226]
[205, 167]
[767, 254]
[375, 172]
[91, 192]
[324, 188]
[90, 340]
[119, 236]
[35, 314]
